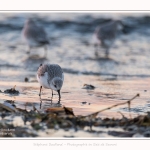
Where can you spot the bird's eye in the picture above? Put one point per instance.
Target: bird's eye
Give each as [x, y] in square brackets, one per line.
[55, 86]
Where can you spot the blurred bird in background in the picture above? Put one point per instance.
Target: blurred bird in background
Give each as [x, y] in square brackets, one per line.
[34, 35]
[105, 35]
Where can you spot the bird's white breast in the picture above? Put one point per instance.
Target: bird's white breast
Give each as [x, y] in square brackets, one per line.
[43, 80]
[31, 42]
[95, 40]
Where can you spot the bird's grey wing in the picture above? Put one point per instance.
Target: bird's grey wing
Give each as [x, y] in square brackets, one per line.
[42, 36]
[107, 31]
[54, 71]
[36, 33]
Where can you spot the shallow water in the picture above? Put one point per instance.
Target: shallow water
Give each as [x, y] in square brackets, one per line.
[117, 79]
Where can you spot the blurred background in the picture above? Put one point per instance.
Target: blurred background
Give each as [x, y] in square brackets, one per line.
[71, 46]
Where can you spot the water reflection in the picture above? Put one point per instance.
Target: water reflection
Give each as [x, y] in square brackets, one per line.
[49, 103]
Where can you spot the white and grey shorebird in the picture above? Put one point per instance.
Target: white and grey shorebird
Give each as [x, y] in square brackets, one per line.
[106, 34]
[34, 35]
[50, 76]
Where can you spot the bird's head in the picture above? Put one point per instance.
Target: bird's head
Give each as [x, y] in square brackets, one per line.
[56, 84]
[29, 21]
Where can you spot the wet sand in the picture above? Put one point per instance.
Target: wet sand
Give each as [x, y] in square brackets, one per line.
[84, 101]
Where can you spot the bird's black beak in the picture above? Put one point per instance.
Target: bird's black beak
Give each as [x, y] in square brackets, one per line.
[59, 94]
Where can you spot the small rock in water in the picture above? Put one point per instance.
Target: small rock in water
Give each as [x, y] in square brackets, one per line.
[11, 91]
[88, 86]
[26, 79]
[0, 91]
[83, 102]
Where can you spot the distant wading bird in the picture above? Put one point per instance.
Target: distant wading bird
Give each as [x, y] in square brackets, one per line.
[34, 35]
[50, 76]
[105, 36]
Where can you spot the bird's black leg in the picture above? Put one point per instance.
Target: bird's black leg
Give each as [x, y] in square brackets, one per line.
[59, 96]
[40, 104]
[40, 91]
[52, 94]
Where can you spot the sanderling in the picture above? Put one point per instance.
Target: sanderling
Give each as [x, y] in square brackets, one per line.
[34, 35]
[50, 76]
[105, 35]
